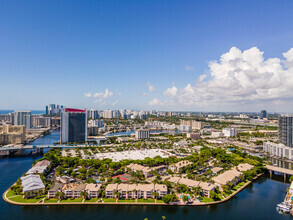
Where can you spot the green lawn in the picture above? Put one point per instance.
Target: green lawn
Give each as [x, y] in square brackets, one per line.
[71, 200]
[160, 201]
[145, 200]
[205, 199]
[91, 200]
[22, 200]
[51, 200]
[109, 200]
[10, 193]
[126, 200]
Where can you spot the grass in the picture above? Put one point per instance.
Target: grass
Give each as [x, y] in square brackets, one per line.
[71, 200]
[91, 200]
[145, 201]
[22, 200]
[205, 199]
[109, 200]
[51, 200]
[10, 193]
[126, 200]
[160, 201]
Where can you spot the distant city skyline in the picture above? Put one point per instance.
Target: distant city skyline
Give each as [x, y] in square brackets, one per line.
[163, 55]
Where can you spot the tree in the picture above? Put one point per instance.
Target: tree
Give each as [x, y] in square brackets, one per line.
[163, 217]
[135, 193]
[59, 195]
[83, 194]
[185, 198]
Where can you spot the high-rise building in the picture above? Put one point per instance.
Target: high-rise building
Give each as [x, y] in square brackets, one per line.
[53, 109]
[142, 134]
[42, 122]
[23, 118]
[263, 114]
[73, 125]
[108, 113]
[286, 130]
[93, 114]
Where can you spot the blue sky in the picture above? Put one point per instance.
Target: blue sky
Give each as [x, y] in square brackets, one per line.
[127, 54]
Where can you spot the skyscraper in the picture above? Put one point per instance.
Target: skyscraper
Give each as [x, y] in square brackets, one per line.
[263, 114]
[285, 130]
[73, 125]
[23, 118]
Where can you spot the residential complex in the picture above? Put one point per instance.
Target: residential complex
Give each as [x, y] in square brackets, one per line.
[133, 191]
[195, 125]
[12, 134]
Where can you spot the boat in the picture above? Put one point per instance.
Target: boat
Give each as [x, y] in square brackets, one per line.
[284, 207]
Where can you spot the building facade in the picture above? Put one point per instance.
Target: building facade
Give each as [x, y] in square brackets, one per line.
[142, 134]
[23, 118]
[286, 130]
[73, 125]
[12, 134]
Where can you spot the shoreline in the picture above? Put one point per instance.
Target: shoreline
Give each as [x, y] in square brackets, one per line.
[125, 203]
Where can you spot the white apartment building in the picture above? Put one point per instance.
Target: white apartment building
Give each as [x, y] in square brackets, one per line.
[279, 150]
[229, 132]
[108, 113]
[96, 123]
[195, 125]
[23, 118]
[142, 134]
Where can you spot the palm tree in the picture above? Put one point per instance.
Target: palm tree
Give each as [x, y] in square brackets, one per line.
[59, 195]
[163, 217]
[135, 193]
[83, 194]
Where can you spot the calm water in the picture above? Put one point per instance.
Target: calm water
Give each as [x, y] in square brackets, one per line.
[257, 201]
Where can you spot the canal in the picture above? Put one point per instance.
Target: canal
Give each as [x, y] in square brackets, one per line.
[257, 201]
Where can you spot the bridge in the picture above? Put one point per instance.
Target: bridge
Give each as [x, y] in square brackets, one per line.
[8, 149]
[279, 170]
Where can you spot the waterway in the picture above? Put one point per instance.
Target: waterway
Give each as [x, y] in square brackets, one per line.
[257, 201]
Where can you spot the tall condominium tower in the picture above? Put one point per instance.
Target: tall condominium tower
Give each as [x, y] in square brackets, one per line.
[263, 114]
[73, 125]
[285, 130]
[23, 118]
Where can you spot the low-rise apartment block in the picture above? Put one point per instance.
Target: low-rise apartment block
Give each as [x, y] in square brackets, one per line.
[176, 167]
[132, 191]
[147, 171]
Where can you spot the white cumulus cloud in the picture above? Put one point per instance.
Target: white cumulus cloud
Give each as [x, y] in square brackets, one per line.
[151, 88]
[103, 95]
[238, 77]
[154, 102]
[88, 95]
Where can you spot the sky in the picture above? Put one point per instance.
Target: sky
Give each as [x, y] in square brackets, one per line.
[163, 55]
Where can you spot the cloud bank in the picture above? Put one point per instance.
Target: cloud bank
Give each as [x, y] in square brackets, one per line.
[238, 77]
